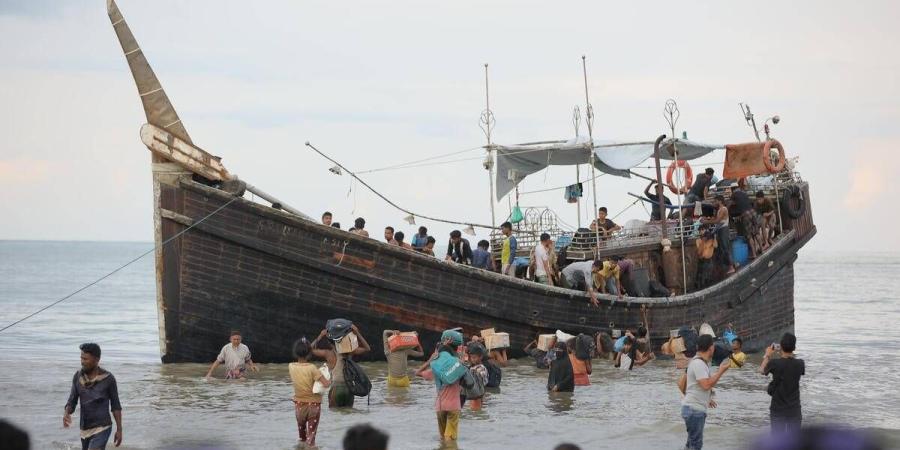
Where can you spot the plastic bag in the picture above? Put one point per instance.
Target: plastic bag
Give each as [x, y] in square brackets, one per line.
[318, 387]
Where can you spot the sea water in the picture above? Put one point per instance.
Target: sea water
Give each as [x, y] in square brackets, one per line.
[847, 318]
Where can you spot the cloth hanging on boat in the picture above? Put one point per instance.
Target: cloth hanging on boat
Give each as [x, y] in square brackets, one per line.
[515, 162]
[516, 216]
[574, 192]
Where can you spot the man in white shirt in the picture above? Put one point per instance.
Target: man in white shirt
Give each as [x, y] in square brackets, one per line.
[236, 358]
[698, 394]
[580, 276]
[542, 268]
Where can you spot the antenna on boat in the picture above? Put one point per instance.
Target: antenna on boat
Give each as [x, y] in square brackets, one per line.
[576, 121]
[589, 114]
[487, 125]
[672, 113]
[751, 122]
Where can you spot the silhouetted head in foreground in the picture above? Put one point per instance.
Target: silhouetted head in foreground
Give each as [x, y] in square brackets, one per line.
[12, 437]
[822, 437]
[567, 446]
[365, 437]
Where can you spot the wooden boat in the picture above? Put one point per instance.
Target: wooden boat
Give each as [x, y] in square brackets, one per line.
[226, 262]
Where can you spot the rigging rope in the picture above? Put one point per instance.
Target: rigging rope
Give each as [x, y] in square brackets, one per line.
[118, 268]
[403, 165]
[352, 174]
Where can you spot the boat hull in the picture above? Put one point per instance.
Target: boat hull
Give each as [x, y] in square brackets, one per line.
[276, 277]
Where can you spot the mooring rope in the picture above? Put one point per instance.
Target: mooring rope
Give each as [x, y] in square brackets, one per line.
[118, 268]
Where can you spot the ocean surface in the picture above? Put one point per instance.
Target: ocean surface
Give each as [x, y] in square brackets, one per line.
[847, 317]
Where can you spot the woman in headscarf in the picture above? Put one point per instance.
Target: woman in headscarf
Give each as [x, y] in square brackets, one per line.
[562, 377]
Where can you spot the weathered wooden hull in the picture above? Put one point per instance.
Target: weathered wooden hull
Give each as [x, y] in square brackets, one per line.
[277, 277]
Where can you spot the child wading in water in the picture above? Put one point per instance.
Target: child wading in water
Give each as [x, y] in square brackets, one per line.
[447, 404]
[476, 356]
[307, 405]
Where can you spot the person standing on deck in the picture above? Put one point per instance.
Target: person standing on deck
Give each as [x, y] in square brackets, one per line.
[389, 236]
[700, 187]
[326, 219]
[458, 249]
[698, 394]
[785, 413]
[307, 405]
[766, 212]
[604, 225]
[655, 214]
[481, 256]
[626, 266]
[723, 233]
[420, 239]
[543, 272]
[398, 368]
[99, 394]
[608, 278]
[398, 237]
[339, 396]
[579, 276]
[508, 250]
[428, 249]
[236, 358]
[359, 227]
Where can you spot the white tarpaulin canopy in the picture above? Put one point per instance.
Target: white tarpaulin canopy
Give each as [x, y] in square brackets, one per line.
[515, 162]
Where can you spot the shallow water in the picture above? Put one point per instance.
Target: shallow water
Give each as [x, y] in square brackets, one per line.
[845, 331]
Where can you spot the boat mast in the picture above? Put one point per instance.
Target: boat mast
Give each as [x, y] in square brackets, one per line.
[672, 114]
[590, 124]
[576, 120]
[487, 125]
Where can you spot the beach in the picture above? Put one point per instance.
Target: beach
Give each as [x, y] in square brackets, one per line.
[845, 310]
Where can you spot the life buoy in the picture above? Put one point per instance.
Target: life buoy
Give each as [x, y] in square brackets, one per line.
[767, 156]
[793, 204]
[688, 177]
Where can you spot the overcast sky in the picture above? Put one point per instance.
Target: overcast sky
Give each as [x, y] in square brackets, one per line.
[378, 83]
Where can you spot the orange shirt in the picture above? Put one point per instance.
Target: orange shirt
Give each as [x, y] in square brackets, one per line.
[579, 368]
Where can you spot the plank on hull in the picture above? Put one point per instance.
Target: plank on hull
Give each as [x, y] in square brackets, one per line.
[277, 277]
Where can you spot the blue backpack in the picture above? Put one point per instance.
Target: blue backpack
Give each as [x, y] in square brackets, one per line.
[447, 368]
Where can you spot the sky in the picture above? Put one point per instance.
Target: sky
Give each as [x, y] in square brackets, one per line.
[375, 84]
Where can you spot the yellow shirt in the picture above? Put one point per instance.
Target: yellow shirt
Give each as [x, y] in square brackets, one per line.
[304, 375]
[740, 357]
[610, 269]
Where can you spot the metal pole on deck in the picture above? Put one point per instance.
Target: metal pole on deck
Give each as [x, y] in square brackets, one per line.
[659, 186]
[590, 124]
[487, 122]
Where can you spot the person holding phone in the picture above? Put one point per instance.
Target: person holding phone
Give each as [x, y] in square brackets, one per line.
[785, 412]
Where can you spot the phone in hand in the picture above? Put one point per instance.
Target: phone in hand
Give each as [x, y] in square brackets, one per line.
[776, 347]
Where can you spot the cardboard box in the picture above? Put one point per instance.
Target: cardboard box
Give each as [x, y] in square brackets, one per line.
[497, 341]
[486, 333]
[347, 344]
[403, 341]
[678, 345]
[546, 342]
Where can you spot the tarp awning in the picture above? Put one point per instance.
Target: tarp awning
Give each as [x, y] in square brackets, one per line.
[515, 162]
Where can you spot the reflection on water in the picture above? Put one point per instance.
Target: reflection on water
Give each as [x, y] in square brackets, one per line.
[845, 336]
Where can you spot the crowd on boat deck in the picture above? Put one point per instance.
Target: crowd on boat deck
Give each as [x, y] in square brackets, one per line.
[467, 371]
[712, 209]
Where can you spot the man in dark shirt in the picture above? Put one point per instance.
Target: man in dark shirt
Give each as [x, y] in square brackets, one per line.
[96, 389]
[606, 226]
[700, 187]
[784, 411]
[655, 214]
[458, 249]
[747, 220]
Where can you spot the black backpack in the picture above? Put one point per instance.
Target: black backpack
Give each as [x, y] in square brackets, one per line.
[472, 384]
[584, 347]
[494, 374]
[357, 381]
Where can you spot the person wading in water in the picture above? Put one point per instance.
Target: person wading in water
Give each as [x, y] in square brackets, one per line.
[97, 390]
[236, 358]
[339, 396]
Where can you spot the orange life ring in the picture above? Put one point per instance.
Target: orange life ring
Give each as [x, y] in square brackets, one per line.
[767, 156]
[688, 177]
